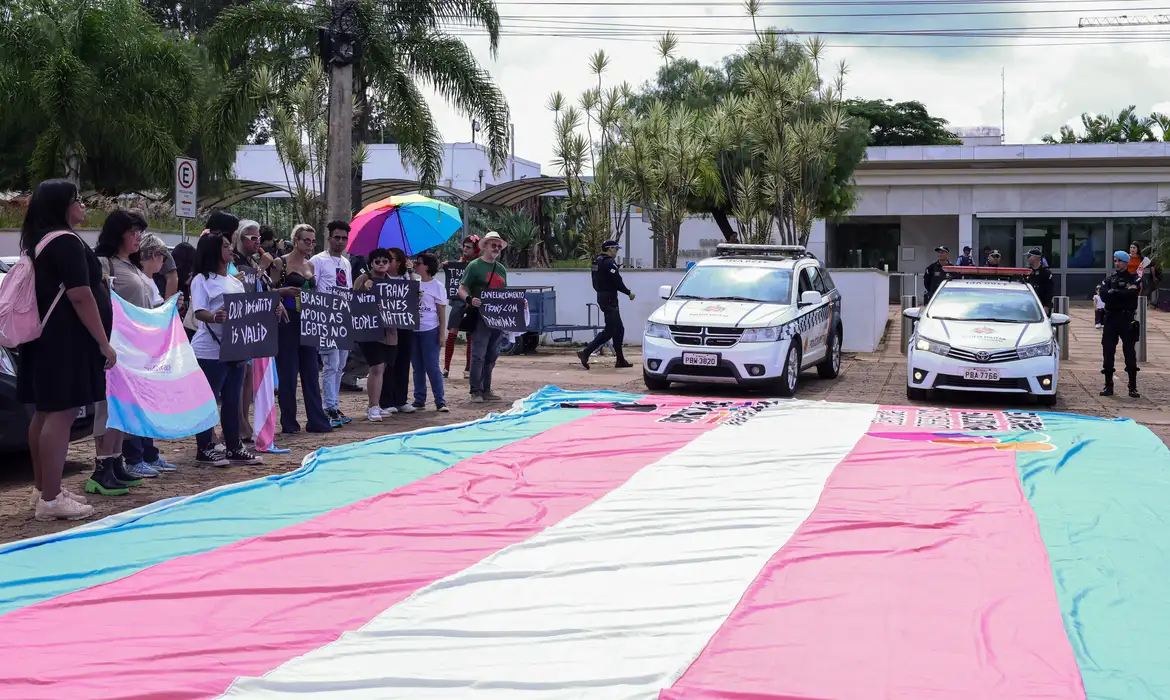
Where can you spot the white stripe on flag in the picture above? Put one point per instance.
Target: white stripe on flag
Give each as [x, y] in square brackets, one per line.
[613, 602]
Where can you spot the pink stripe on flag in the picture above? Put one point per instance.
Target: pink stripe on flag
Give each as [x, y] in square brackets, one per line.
[920, 574]
[264, 403]
[188, 627]
[167, 396]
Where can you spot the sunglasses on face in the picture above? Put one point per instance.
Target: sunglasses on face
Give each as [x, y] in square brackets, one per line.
[305, 240]
[252, 239]
[380, 261]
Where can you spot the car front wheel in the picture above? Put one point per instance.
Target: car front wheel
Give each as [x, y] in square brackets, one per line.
[654, 383]
[915, 394]
[830, 367]
[790, 373]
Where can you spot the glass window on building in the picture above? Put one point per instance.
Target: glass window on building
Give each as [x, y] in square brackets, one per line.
[1086, 244]
[1044, 233]
[1127, 231]
[996, 234]
[1080, 286]
[865, 245]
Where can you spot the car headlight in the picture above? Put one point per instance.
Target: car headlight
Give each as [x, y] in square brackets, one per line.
[760, 335]
[657, 330]
[7, 365]
[1038, 350]
[928, 345]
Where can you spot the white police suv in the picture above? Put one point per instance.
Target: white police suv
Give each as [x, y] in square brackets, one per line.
[753, 315]
[984, 330]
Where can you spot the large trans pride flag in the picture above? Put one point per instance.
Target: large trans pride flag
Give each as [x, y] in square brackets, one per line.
[679, 549]
[156, 389]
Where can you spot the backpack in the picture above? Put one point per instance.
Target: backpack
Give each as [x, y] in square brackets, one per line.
[20, 320]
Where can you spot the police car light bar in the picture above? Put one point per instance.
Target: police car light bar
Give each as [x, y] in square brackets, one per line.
[967, 272]
[786, 251]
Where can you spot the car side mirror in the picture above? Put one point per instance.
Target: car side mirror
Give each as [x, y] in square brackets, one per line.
[665, 290]
[1058, 320]
[810, 298]
[914, 313]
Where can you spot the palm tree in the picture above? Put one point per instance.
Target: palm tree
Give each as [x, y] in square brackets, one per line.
[403, 47]
[106, 95]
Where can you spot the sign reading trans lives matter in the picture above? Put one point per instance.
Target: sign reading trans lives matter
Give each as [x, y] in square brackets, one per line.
[399, 300]
[503, 309]
[250, 329]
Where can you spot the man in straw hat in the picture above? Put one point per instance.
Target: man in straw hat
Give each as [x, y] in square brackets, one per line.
[485, 272]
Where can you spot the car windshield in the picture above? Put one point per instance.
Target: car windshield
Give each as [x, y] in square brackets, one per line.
[726, 283]
[986, 305]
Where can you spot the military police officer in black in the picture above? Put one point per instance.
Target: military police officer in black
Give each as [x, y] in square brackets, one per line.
[1120, 291]
[607, 282]
[1040, 278]
[935, 274]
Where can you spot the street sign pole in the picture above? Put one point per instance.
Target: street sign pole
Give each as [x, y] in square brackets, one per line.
[186, 190]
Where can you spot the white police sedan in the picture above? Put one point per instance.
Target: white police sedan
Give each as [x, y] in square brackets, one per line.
[984, 332]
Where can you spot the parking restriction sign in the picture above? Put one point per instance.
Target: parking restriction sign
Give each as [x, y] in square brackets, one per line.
[186, 188]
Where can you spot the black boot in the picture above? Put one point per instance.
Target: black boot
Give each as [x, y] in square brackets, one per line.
[1108, 390]
[622, 363]
[1133, 392]
[103, 480]
[583, 356]
[118, 467]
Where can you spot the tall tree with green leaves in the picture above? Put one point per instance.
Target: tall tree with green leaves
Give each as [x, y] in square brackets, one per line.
[1127, 127]
[403, 47]
[900, 123]
[107, 98]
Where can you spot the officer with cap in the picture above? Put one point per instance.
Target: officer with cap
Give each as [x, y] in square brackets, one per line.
[993, 259]
[607, 282]
[1120, 292]
[935, 274]
[1040, 278]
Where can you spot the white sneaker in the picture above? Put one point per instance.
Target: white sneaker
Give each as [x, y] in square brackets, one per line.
[406, 408]
[466, 374]
[62, 509]
[374, 414]
[388, 411]
[1099, 326]
[36, 497]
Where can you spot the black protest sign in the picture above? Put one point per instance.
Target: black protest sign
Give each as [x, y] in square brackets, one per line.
[250, 329]
[367, 326]
[325, 320]
[399, 301]
[248, 276]
[454, 278]
[503, 309]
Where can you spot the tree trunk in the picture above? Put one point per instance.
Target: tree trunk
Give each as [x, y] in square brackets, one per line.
[361, 129]
[339, 162]
[721, 219]
[72, 164]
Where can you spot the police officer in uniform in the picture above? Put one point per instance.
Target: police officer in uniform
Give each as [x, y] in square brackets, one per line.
[1040, 278]
[607, 282]
[935, 274]
[1120, 292]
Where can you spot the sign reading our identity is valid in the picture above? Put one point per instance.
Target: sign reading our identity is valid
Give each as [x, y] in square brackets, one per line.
[503, 309]
[454, 275]
[250, 329]
[399, 302]
[325, 320]
[368, 326]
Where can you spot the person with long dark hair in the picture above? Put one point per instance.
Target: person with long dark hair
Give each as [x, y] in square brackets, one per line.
[396, 382]
[208, 288]
[184, 258]
[470, 252]
[293, 274]
[431, 334]
[64, 370]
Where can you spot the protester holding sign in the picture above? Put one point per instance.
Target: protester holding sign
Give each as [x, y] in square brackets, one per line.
[454, 273]
[293, 274]
[395, 386]
[333, 271]
[485, 272]
[252, 266]
[208, 288]
[379, 354]
[432, 332]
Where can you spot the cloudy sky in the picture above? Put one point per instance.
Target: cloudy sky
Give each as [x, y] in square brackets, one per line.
[1054, 71]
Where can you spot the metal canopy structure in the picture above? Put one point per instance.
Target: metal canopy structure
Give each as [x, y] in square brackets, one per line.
[509, 194]
[374, 190]
[242, 190]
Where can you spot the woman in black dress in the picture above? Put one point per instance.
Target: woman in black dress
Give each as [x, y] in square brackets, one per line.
[64, 370]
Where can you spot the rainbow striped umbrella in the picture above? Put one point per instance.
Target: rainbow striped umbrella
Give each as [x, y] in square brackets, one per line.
[411, 222]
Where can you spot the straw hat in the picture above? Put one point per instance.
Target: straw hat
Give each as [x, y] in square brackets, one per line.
[493, 236]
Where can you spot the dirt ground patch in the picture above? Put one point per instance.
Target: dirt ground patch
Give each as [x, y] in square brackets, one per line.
[866, 379]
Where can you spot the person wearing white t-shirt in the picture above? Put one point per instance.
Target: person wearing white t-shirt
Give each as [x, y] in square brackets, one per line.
[431, 334]
[209, 284]
[333, 271]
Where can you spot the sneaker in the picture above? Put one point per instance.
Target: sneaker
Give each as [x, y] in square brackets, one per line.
[446, 372]
[441, 408]
[161, 465]
[212, 457]
[1099, 326]
[406, 408]
[374, 414]
[141, 471]
[62, 509]
[490, 395]
[467, 374]
[36, 496]
[419, 406]
[344, 418]
[476, 398]
[389, 411]
[118, 468]
[335, 418]
[243, 456]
